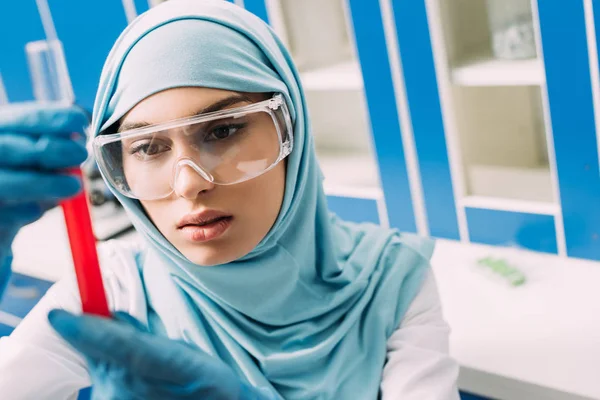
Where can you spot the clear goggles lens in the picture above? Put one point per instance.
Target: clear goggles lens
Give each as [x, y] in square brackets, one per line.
[224, 147]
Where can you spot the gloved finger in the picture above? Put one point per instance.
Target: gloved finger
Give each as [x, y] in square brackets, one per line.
[5, 271]
[7, 235]
[28, 151]
[120, 344]
[48, 119]
[109, 382]
[149, 387]
[21, 214]
[47, 205]
[25, 186]
[129, 319]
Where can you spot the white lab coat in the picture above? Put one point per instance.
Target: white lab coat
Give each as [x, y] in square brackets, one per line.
[36, 364]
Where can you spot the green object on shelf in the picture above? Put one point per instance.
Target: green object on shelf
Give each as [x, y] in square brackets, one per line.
[501, 268]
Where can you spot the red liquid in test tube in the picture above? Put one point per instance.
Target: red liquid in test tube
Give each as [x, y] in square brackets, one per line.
[85, 255]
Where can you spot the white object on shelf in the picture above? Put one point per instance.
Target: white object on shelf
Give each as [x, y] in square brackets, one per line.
[537, 341]
[341, 76]
[353, 174]
[484, 70]
[517, 183]
[511, 28]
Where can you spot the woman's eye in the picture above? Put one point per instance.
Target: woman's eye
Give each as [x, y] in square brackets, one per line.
[147, 150]
[222, 132]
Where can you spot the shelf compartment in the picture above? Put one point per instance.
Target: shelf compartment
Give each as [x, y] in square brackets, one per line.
[341, 76]
[504, 151]
[513, 183]
[317, 32]
[350, 174]
[467, 40]
[485, 70]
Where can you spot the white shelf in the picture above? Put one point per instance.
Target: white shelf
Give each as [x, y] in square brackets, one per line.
[341, 76]
[353, 175]
[515, 189]
[484, 70]
[500, 204]
[366, 192]
[515, 184]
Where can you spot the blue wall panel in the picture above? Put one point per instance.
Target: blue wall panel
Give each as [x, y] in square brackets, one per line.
[22, 294]
[88, 29]
[504, 228]
[354, 209]
[571, 109]
[19, 23]
[258, 8]
[470, 396]
[85, 394]
[383, 112]
[5, 330]
[141, 6]
[426, 116]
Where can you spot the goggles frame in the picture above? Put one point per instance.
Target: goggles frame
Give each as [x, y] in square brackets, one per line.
[269, 106]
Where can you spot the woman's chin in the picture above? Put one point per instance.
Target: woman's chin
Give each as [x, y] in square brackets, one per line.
[206, 260]
[209, 255]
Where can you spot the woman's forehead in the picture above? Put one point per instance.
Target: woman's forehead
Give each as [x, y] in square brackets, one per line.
[178, 103]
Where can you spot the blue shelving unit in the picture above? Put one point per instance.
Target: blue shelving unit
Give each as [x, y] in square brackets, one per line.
[565, 222]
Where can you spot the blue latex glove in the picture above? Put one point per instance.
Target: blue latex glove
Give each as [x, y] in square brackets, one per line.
[126, 362]
[35, 143]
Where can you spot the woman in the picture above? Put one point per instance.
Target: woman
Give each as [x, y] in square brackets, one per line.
[201, 131]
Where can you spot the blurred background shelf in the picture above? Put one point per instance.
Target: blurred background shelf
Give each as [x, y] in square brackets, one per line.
[350, 174]
[511, 183]
[318, 35]
[501, 204]
[485, 70]
[504, 149]
[341, 76]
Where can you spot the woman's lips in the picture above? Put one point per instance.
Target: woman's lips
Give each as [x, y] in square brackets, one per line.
[208, 231]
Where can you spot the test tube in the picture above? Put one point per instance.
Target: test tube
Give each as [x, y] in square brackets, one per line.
[3, 96]
[49, 73]
[51, 84]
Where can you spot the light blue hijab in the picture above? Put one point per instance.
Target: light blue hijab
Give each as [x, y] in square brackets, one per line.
[309, 310]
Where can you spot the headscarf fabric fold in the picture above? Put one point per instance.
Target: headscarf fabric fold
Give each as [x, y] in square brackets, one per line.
[309, 310]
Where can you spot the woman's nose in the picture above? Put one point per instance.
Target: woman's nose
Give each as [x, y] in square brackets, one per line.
[189, 183]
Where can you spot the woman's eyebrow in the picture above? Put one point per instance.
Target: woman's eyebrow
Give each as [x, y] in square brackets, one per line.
[219, 105]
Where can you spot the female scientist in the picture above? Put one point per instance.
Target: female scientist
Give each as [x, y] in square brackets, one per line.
[244, 286]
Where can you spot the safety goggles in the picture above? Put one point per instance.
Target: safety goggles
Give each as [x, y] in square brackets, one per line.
[224, 147]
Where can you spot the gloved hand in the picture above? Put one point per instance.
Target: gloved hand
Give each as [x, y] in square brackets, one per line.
[36, 142]
[126, 362]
